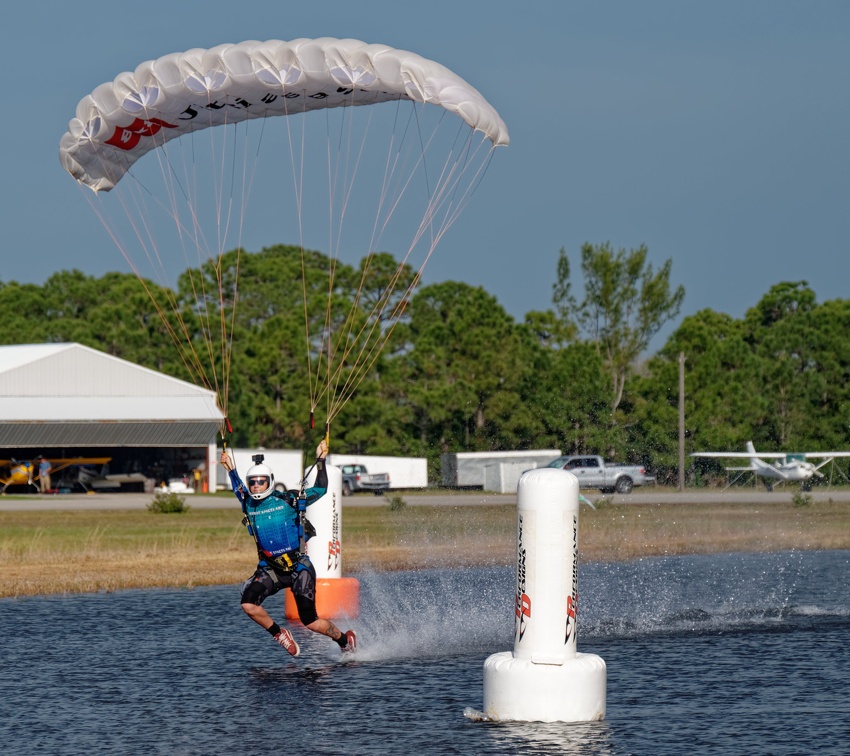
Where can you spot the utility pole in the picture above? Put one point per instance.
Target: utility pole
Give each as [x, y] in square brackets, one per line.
[681, 421]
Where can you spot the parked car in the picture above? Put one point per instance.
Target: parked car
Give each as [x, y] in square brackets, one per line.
[178, 486]
[593, 472]
[358, 478]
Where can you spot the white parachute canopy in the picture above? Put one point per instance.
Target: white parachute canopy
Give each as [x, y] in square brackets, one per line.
[328, 174]
[176, 94]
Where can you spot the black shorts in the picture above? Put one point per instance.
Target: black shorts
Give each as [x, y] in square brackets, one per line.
[268, 580]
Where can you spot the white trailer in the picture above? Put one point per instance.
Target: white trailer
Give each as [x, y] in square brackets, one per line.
[467, 469]
[404, 472]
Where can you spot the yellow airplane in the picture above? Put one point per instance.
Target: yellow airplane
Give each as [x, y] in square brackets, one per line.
[16, 473]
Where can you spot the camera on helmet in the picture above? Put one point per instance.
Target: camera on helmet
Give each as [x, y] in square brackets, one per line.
[258, 459]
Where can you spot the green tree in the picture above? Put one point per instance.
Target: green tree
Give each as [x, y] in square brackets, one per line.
[803, 349]
[626, 302]
[255, 304]
[135, 321]
[307, 333]
[567, 394]
[464, 371]
[779, 377]
[723, 399]
[23, 309]
[550, 329]
[113, 314]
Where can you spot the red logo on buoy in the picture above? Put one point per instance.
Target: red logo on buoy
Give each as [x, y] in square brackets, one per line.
[523, 612]
[572, 606]
[334, 550]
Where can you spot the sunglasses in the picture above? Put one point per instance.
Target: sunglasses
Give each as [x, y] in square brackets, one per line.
[258, 481]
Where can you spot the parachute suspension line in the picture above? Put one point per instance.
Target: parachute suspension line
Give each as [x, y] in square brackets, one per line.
[441, 200]
[326, 341]
[342, 175]
[345, 344]
[222, 224]
[224, 206]
[346, 332]
[446, 188]
[424, 162]
[218, 264]
[198, 242]
[344, 339]
[245, 186]
[189, 359]
[372, 344]
[118, 243]
[419, 163]
[202, 303]
[298, 190]
[388, 171]
[227, 331]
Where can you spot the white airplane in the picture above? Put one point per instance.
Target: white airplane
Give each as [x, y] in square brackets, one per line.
[792, 468]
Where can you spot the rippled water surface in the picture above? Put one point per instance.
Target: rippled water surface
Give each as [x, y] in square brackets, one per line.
[710, 655]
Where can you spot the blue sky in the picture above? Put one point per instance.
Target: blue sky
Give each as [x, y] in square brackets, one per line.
[714, 133]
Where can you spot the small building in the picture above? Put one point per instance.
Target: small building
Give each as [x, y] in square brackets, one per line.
[67, 400]
[468, 469]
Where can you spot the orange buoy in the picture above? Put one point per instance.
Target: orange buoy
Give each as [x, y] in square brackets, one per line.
[335, 598]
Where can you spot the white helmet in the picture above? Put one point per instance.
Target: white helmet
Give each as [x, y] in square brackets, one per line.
[260, 471]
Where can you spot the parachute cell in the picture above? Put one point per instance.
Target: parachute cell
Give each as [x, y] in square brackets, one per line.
[162, 99]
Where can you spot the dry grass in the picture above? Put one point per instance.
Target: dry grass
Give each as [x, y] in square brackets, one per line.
[634, 530]
[84, 551]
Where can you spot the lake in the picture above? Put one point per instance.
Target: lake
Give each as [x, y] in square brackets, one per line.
[742, 653]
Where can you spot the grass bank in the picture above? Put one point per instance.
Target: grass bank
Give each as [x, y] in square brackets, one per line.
[84, 551]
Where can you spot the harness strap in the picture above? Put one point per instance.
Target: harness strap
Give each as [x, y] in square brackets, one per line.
[286, 561]
[302, 538]
[274, 577]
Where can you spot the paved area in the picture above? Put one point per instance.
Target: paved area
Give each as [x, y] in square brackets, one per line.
[108, 500]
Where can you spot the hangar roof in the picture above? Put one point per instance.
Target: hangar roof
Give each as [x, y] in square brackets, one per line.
[72, 395]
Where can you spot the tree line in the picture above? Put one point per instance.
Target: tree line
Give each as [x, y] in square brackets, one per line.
[458, 373]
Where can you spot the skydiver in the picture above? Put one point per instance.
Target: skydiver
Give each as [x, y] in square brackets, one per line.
[276, 520]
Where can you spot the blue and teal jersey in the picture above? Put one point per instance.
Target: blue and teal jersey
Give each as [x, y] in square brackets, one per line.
[274, 520]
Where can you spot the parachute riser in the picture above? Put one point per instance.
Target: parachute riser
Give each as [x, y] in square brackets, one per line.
[327, 440]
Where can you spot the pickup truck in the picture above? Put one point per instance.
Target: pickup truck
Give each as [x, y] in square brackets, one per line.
[592, 472]
[358, 478]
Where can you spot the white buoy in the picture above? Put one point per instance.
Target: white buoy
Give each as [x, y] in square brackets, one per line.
[544, 678]
[336, 596]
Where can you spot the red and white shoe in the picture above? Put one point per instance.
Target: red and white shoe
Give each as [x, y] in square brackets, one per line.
[351, 644]
[285, 639]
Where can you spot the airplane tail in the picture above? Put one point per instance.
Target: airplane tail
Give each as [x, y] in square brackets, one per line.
[756, 463]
